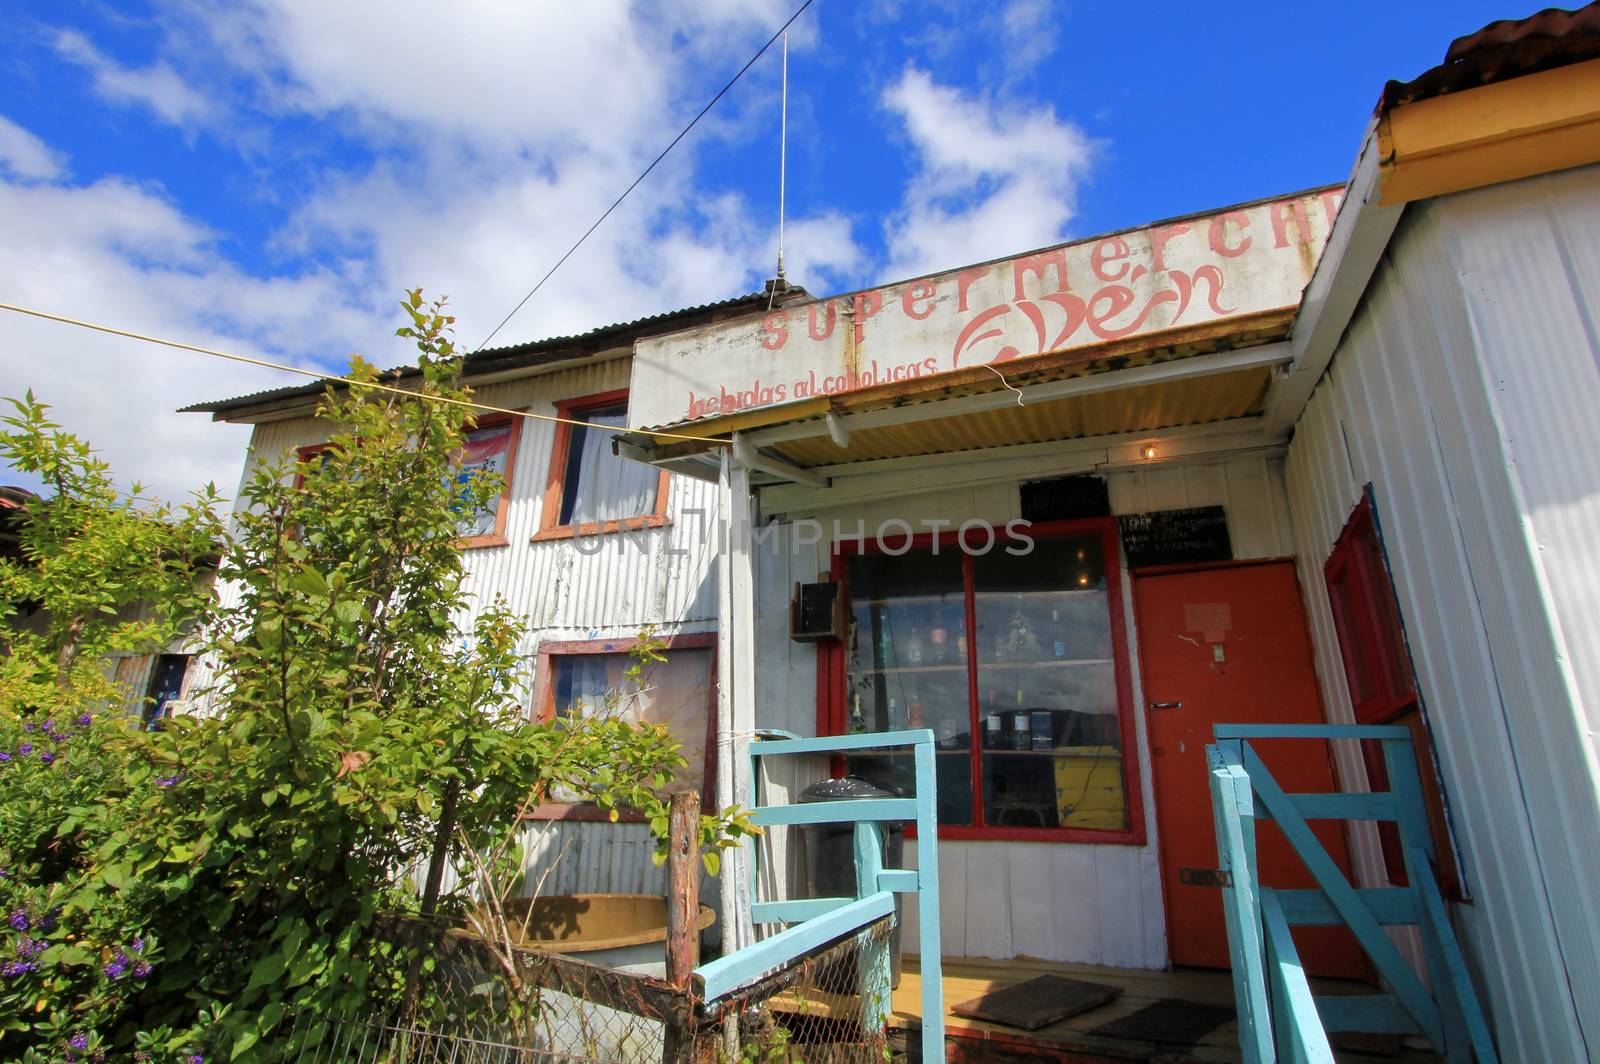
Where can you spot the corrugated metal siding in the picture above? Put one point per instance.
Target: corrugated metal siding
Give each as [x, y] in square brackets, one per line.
[1055, 901]
[1464, 392]
[662, 577]
[656, 576]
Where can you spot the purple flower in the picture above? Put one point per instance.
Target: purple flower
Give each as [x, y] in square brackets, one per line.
[50, 725]
[141, 970]
[117, 966]
[29, 948]
[4, 757]
[137, 946]
[25, 749]
[194, 1058]
[30, 726]
[84, 721]
[167, 781]
[79, 1041]
[47, 757]
[56, 736]
[19, 921]
[48, 923]
[12, 969]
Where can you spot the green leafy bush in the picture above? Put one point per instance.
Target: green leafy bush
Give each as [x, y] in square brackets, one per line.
[205, 882]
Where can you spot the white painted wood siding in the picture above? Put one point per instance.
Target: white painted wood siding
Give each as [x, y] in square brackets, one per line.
[1466, 391]
[1097, 904]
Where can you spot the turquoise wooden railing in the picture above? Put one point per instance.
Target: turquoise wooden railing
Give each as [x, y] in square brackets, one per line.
[1280, 1017]
[815, 922]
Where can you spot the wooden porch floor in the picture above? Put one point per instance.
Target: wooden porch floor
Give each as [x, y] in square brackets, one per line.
[1070, 1041]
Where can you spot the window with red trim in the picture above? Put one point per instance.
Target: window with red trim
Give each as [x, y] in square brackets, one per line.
[586, 679]
[1377, 669]
[1015, 657]
[487, 449]
[589, 489]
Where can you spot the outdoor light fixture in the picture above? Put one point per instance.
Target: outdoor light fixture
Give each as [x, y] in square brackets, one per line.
[1148, 452]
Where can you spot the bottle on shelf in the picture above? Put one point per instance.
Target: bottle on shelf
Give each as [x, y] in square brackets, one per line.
[1021, 727]
[939, 645]
[1060, 646]
[916, 717]
[894, 714]
[914, 647]
[991, 725]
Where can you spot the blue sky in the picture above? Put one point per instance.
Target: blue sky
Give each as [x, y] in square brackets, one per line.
[266, 176]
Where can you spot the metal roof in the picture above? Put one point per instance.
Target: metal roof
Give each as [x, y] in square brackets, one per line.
[1506, 49]
[517, 356]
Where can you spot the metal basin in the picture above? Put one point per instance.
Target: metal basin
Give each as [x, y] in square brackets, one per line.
[617, 930]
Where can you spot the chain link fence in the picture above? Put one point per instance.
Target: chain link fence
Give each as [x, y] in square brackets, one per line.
[466, 1006]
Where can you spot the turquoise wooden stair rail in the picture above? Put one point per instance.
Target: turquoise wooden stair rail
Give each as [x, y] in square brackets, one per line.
[1280, 1018]
[818, 921]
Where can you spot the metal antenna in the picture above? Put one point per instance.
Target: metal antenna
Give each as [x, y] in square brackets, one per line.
[783, 150]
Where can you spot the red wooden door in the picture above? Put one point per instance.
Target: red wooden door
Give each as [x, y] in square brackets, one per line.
[1229, 646]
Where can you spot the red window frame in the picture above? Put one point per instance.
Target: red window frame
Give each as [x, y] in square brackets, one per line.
[1373, 651]
[831, 675]
[550, 526]
[542, 710]
[497, 538]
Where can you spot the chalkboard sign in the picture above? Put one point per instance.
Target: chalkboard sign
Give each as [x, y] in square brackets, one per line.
[1176, 537]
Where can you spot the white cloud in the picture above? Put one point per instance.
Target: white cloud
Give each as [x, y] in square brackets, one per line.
[994, 177]
[119, 253]
[25, 155]
[495, 139]
[157, 87]
[1028, 29]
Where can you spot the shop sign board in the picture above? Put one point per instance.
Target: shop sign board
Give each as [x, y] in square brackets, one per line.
[1191, 271]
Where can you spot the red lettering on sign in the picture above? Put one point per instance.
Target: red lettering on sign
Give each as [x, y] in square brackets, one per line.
[964, 281]
[865, 305]
[1111, 249]
[1035, 264]
[917, 293]
[775, 330]
[1330, 204]
[1159, 238]
[970, 336]
[1217, 234]
[811, 325]
[1284, 213]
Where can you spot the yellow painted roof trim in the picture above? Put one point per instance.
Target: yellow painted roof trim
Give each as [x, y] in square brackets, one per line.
[1511, 129]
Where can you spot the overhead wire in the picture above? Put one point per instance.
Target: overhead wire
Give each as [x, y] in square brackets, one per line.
[345, 381]
[636, 181]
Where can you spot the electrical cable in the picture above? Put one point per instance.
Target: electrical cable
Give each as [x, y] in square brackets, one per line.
[636, 181]
[263, 363]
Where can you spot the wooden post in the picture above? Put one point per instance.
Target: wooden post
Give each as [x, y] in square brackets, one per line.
[683, 914]
[683, 889]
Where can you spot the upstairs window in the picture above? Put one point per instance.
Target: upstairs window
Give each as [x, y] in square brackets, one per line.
[590, 489]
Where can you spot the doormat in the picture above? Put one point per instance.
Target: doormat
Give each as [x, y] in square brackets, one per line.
[1037, 1002]
[1168, 1021]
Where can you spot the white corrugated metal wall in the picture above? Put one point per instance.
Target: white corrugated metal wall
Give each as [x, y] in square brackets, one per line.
[1055, 901]
[1465, 392]
[662, 577]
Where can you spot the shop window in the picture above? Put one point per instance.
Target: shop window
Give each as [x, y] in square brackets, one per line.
[1382, 685]
[590, 679]
[591, 490]
[1015, 661]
